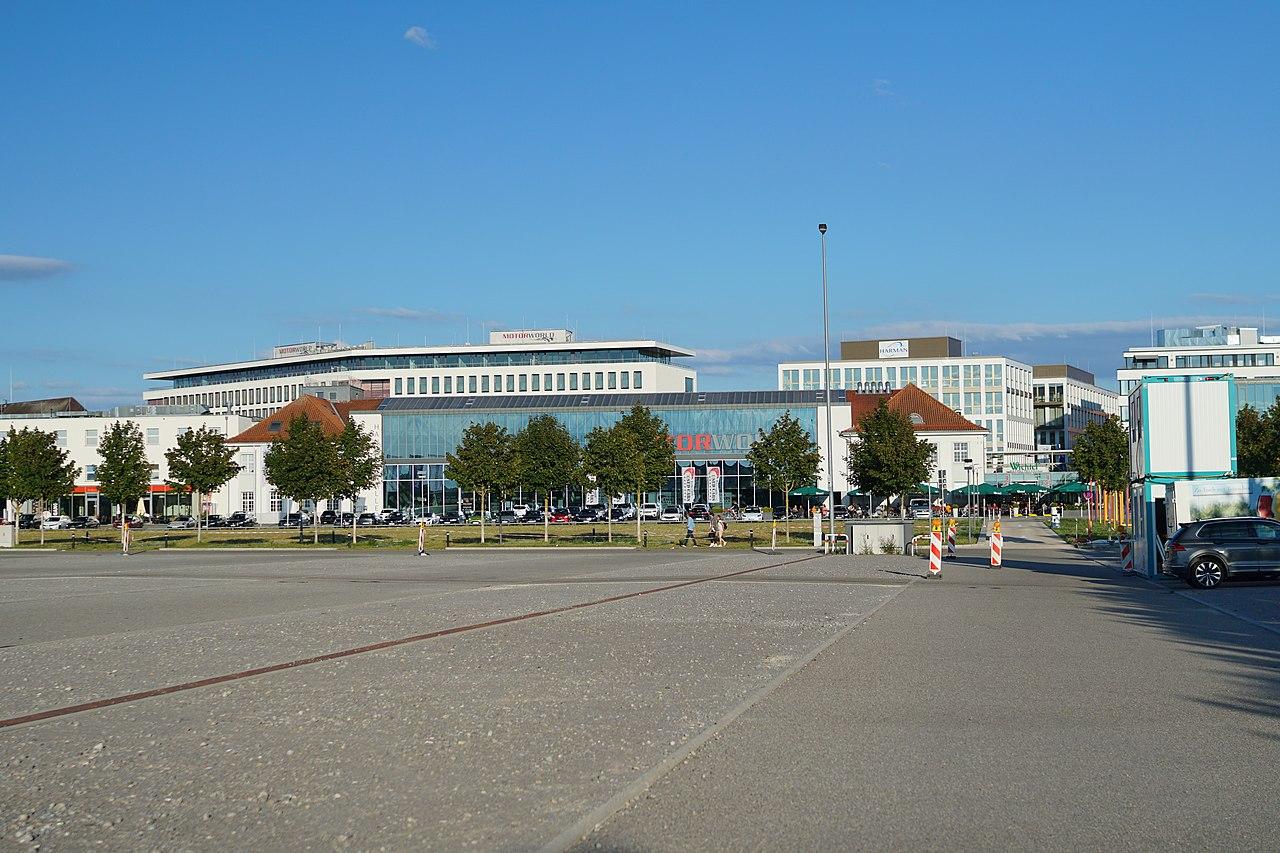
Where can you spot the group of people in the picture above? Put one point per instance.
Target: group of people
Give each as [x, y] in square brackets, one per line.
[715, 534]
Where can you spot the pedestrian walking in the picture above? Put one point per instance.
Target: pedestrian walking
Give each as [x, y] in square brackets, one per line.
[720, 524]
[422, 539]
[688, 531]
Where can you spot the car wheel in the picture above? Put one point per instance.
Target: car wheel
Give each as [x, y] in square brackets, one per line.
[1205, 573]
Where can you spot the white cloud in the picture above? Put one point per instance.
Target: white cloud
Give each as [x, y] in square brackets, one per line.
[420, 37]
[421, 315]
[882, 87]
[18, 267]
[766, 352]
[1233, 298]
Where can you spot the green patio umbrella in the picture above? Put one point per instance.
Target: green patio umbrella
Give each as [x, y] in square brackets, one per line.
[1022, 489]
[808, 492]
[1074, 487]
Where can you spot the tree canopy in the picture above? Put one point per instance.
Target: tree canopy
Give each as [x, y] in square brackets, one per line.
[124, 476]
[785, 457]
[359, 466]
[1101, 454]
[608, 456]
[482, 462]
[886, 458]
[304, 465]
[1258, 441]
[648, 455]
[38, 470]
[201, 463]
[547, 459]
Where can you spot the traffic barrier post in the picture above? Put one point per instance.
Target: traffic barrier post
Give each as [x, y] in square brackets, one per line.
[1126, 557]
[951, 539]
[935, 549]
[997, 545]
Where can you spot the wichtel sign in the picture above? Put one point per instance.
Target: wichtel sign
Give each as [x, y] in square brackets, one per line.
[694, 442]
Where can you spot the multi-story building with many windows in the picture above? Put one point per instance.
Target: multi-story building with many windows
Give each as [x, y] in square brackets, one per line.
[524, 363]
[1066, 400]
[992, 391]
[1252, 358]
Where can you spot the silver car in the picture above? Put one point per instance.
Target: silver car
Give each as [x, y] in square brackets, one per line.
[1206, 553]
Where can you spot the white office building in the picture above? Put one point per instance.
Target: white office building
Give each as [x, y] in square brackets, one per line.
[517, 363]
[993, 392]
[1249, 356]
[1067, 399]
[79, 434]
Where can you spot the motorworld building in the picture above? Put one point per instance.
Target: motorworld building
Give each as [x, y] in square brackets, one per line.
[711, 432]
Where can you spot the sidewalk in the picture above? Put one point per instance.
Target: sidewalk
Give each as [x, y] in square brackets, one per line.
[1053, 704]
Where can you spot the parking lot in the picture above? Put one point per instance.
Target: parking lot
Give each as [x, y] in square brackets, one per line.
[630, 699]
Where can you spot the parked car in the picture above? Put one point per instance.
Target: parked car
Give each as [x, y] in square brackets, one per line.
[241, 519]
[752, 513]
[1207, 553]
[56, 522]
[561, 516]
[181, 522]
[671, 513]
[840, 512]
[424, 517]
[507, 516]
[520, 509]
[28, 521]
[85, 522]
[454, 517]
[623, 512]
[533, 516]
[328, 517]
[135, 521]
[215, 521]
[294, 519]
[593, 512]
[392, 516]
[700, 512]
[368, 519]
[650, 511]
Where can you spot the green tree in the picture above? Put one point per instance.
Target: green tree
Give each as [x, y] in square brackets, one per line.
[359, 466]
[39, 470]
[200, 464]
[784, 458]
[1101, 454]
[547, 458]
[304, 465]
[124, 476]
[4, 481]
[607, 456]
[482, 463]
[1258, 441]
[652, 456]
[887, 458]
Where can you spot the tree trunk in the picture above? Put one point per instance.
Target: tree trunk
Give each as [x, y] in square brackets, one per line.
[786, 508]
[484, 502]
[13, 518]
[195, 504]
[354, 517]
[546, 517]
[637, 508]
[315, 523]
[608, 520]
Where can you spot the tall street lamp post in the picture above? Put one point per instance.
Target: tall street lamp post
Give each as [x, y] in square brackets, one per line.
[826, 385]
[968, 498]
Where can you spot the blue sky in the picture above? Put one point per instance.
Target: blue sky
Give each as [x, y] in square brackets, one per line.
[1046, 181]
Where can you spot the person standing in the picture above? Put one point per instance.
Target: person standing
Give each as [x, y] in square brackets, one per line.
[688, 530]
[422, 539]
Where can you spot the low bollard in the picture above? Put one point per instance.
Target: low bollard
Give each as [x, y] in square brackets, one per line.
[166, 538]
[446, 539]
[646, 539]
[751, 539]
[593, 536]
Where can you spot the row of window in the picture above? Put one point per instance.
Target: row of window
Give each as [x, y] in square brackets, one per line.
[928, 377]
[522, 383]
[234, 399]
[1236, 359]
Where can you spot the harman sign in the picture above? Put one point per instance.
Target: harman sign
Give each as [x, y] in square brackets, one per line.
[893, 349]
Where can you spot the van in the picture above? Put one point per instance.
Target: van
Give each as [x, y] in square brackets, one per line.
[521, 510]
[650, 511]
[919, 508]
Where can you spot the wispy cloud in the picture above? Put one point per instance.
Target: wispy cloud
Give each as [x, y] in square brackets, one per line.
[1234, 298]
[749, 359]
[21, 267]
[882, 87]
[419, 315]
[420, 37]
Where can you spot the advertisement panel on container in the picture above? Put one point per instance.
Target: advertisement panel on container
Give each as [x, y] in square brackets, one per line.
[1197, 500]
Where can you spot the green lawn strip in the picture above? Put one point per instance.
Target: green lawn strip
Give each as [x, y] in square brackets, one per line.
[1077, 530]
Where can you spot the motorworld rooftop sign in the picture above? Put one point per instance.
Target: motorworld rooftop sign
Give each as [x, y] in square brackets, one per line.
[532, 336]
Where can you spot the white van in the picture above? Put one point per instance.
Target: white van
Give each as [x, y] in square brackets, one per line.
[521, 510]
[650, 511]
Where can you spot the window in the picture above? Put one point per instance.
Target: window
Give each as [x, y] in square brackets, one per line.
[274, 426]
[586, 382]
[524, 382]
[91, 438]
[62, 438]
[573, 382]
[155, 473]
[246, 463]
[1266, 530]
[791, 380]
[537, 382]
[626, 380]
[471, 384]
[511, 383]
[247, 503]
[811, 379]
[411, 386]
[875, 374]
[546, 382]
[238, 397]
[852, 376]
[460, 380]
[891, 376]
[91, 473]
[637, 384]
[422, 384]
[599, 380]
[973, 402]
[272, 392]
[153, 435]
[275, 500]
[613, 380]
[950, 376]
[951, 399]
[448, 385]
[961, 451]
[484, 384]
[559, 381]
[435, 384]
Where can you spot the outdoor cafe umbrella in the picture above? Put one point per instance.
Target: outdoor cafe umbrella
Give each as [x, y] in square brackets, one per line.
[808, 492]
[1022, 489]
[1074, 487]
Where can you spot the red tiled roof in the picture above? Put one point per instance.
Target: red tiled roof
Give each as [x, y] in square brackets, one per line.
[926, 413]
[331, 416]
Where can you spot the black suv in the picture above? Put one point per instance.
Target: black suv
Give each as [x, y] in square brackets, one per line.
[328, 517]
[1206, 553]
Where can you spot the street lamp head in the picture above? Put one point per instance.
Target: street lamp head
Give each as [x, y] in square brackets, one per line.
[822, 228]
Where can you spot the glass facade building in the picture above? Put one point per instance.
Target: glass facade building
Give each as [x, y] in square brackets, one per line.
[709, 430]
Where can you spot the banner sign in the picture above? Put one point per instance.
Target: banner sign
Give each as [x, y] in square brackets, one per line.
[593, 496]
[893, 349]
[688, 483]
[713, 484]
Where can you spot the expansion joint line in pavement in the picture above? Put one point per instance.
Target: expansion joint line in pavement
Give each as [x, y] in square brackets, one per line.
[372, 647]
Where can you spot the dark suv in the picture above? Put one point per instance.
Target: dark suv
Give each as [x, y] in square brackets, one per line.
[1205, 553]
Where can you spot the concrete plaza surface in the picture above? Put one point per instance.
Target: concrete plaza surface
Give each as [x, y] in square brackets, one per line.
[808, 703]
